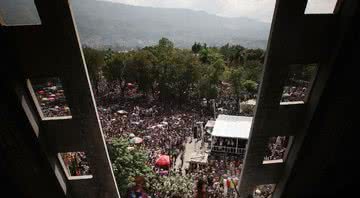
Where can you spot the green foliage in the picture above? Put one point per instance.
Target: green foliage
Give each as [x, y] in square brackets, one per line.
[233, 55]
[94, 62]
[255, 54]
[236, 79]
[173, 186]
[250, 86]
[115, 67]
[127, 164]
[196, 47]
[142, 65]
[182, 74]
[253, 70]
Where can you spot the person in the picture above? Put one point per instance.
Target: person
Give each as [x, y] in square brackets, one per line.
[201, 189]
[137, 191]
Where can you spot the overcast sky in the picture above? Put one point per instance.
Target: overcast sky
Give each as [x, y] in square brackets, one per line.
[256, 9]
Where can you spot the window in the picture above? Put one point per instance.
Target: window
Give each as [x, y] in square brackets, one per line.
[75, 165]
[320, 6]
[49, 97]
[276, 149]
[19, 12]
[264, 190]
[298, 84]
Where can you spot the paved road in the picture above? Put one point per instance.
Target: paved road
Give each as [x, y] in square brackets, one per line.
[189, 149]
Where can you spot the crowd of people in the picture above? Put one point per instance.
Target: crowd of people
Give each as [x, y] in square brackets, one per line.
[294, 93]
[76, 163]
[220, 176]
[163, 131]
[264, 191]
[276, 148]
[51, 98]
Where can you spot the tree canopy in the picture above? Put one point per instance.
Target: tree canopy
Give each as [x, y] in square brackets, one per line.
[179, 75]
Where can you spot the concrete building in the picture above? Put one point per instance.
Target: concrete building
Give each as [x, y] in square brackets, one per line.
[321, 154]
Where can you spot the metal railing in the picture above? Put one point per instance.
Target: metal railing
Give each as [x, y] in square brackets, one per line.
[225, 149]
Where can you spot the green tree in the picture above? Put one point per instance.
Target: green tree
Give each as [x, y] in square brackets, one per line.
[250, 87]
[196, 47]
[117, 70]
[237, 83]
[173, 186]
[254, 55]
[94, 62]
[233, 54]
[128, 163]
[253, 69]
[143, 65]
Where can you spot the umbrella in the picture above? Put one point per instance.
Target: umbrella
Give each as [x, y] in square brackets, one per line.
[131, 135]
[122, 112]
[148, 137]
[163, 160]
[136, 140]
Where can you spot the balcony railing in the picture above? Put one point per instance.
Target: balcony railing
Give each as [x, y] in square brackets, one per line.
[224, 149]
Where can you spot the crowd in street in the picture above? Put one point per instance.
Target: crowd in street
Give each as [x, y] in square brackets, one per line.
[161, 131]
[221, 176]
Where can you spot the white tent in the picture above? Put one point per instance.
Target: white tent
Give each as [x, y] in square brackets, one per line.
[210, 124]
[232, 126]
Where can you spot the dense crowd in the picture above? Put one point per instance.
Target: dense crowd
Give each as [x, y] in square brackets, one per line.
[220, 176]
[264, 191]
[294, 93]
[276, 148]
[51, 98]
[162, 130]
[76, 163]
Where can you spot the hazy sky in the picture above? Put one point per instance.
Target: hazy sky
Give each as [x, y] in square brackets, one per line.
[256, 9]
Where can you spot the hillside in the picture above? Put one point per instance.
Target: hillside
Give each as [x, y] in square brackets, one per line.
[114, 24]
[106, 24]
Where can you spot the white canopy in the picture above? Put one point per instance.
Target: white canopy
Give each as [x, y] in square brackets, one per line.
[249, 102]
[210, 124]
[232, 126]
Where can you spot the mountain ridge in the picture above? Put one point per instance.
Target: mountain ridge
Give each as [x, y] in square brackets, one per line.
[119, 25]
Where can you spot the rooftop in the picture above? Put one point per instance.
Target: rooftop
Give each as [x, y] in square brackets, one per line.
[232, 126]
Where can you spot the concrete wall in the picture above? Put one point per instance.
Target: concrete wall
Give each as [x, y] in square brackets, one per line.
[295, 38]
[52, 49]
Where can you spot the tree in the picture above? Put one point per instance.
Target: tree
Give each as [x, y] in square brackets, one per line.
[254, 54]
[117, 70]
[196, 47]
[172, 186]
[253, 69]
[128, 163]
[250, 87]
[143, 65]
[233, 55]
[94, 62]
[236, 80]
